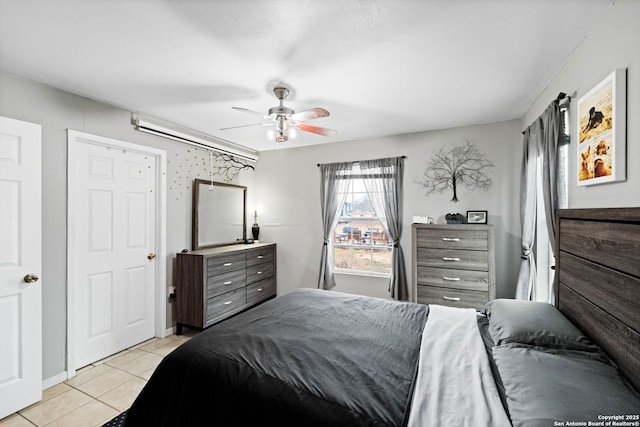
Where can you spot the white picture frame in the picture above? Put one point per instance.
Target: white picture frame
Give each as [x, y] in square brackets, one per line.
[601, 132]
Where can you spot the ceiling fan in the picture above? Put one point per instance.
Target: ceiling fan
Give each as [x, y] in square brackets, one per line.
[286, 120]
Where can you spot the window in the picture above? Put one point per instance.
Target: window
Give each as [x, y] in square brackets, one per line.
[360, 244]
[361, 222]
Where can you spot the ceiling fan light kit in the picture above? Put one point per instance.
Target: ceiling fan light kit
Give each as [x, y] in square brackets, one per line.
[286, 120]
[281, 136]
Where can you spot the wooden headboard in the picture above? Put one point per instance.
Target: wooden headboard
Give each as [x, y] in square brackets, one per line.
[598, 280]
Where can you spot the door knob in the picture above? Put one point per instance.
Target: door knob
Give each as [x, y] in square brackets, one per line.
[151, 255]
[30, 278]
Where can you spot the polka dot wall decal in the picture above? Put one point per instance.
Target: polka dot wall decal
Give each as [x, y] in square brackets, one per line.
[196, 163]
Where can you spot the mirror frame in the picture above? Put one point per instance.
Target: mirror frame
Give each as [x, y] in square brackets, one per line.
[195, 217]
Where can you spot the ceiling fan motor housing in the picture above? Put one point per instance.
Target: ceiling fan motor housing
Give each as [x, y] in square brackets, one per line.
[281, 111]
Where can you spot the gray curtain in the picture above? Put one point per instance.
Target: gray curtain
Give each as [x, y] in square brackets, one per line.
[528, 179]
[383, 181]
[541, 140]
[333, 191]
[553, 137]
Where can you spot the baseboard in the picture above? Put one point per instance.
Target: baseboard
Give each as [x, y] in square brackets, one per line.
[55, 380]
[63, 376]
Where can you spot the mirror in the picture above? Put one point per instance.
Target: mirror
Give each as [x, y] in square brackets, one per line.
[219, 214]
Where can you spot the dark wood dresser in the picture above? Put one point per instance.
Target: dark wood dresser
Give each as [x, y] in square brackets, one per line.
[216, 283]
[453, 264]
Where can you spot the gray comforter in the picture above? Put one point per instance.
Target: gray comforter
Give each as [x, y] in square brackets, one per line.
[307, 358]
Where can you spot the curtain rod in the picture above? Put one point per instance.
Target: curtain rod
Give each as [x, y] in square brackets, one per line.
[358, 161]
[559, 98]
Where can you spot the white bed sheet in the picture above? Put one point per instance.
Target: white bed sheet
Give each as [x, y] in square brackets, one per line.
[455, 385]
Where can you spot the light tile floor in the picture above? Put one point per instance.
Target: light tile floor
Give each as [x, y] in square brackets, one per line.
[99, 391]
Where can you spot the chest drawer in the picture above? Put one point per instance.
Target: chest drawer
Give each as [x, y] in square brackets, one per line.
[260, 256]
[453, 239]
[217, 285]
[261, 290]
[455, 259]
[260, 272]
[222, 304]
[472, 280]
[223, 263]
[452, 297]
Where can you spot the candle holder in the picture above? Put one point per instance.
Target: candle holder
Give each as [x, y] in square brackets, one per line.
[255, 228]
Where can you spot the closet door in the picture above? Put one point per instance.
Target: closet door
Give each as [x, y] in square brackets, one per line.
[113, 212]
[20, 265]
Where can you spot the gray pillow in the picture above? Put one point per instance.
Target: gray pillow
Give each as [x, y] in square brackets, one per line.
[544, 386]
[533, 323]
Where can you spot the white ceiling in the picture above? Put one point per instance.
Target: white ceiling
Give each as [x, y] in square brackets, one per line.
[381, 67]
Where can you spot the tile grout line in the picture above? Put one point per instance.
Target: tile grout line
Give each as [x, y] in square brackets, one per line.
[175, 342]
[92, 398]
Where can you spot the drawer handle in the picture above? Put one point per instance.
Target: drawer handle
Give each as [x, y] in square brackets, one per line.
[228, 302]
[259, 289]
[451, 239]
[451, 279]
[260, 257]
[228, 283]
[259, 272]
[446, 258]
[451, 298]
[227, 264]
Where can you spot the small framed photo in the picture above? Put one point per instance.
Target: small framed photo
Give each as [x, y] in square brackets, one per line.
[476, 217]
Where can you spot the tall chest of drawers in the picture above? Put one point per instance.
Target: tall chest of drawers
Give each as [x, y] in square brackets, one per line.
[216, 283]
[454, 264]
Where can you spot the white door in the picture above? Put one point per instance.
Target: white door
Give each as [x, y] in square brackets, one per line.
[112, 218]
[20, 266]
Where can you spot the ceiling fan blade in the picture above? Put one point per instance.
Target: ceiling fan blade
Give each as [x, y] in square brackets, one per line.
[255, 113]
[316, 129]
[313, 113]
[244, 126]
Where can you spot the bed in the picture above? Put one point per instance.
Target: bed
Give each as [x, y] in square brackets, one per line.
[322, 358]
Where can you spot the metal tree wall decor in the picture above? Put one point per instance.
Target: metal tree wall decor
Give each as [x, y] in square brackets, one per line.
[459, 165]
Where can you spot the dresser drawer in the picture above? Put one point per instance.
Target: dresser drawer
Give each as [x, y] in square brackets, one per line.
[454, 259]
[472, 280]
[452, 297]
[225, 303]
[260, 272]
[453, 239]
[223, 263]
[260, 256]
[261, 290]
[217, 285]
